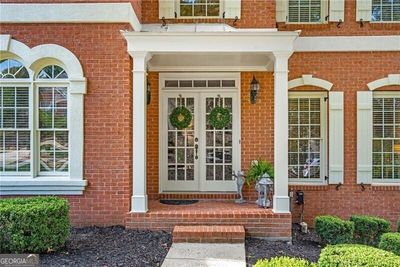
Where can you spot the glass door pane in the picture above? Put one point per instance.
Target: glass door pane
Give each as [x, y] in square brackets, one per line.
[179, 171]
[218, 146]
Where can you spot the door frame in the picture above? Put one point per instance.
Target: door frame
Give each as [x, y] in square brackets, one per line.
[196, 76]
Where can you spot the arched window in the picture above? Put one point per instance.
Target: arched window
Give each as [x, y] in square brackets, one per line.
[41, 120]
[52, 72]
[12, 69]
[15, 118]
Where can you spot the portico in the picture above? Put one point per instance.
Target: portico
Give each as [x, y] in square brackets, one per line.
[215, 53]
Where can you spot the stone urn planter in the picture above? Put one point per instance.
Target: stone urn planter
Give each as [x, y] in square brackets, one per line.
[261, 173]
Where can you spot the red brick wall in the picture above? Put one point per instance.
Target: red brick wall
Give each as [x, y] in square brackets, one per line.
[101, 50]
[152, 138]
[349, 72]
[257, 122]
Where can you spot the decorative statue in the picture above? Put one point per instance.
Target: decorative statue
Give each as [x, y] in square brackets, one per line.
[263, 187]
[240, 179]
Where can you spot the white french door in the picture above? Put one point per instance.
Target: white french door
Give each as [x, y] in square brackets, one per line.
[200, 157]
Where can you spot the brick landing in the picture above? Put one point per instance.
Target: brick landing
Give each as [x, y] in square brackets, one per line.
[258, 222]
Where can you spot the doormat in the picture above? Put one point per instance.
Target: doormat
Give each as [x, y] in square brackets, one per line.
[178, 201]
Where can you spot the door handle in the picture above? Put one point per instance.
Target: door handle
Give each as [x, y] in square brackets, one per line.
[196, 148]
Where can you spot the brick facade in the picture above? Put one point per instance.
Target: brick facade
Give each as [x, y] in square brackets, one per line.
[101, 50]
[349, 72]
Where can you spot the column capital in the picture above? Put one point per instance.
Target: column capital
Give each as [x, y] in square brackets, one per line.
[281, 62]
[282, 54]
[140, 59]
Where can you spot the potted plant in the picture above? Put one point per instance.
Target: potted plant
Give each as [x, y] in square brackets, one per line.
[261, 172]
[257, 169]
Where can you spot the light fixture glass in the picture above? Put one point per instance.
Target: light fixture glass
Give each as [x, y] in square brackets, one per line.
[148, 94]
[254, 88]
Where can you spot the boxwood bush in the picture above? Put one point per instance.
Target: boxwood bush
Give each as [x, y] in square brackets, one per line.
[398, 226]
[354, 255]
[390, 242]
[284, 262]
[33, 225]
[368, 229]
[333, 230]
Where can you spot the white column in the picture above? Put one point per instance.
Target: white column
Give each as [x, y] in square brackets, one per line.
[139, 192]
[281, 184]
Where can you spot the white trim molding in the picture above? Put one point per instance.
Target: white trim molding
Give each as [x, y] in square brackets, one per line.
[34, 59]
[70, 13]
[347, 43]
[307, 79]
[391, 79]
[41, 186]
[221, 42]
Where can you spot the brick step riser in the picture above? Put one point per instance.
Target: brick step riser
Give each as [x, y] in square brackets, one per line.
[208, 234]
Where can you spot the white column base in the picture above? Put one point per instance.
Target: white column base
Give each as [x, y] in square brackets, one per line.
[139, 204]
[281, 204]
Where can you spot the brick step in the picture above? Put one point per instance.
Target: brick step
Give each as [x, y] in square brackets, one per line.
[208, 234]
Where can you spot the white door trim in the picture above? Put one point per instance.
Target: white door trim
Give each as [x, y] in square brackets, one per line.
[192, 76]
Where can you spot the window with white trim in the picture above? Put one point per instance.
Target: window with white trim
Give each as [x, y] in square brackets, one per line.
[305, 11]
[33, 137]
[385, 10]
[386, 138]
[199, 8]
[306, 137]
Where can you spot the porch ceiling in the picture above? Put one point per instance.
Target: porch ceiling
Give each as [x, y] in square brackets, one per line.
[212, 62]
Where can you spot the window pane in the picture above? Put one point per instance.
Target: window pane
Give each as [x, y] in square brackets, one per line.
[385, 10]
[385, 138]
[12, 69]
[199, 8]
[15, 143]
[52, 72]
[304, 137]
[304, 11]
[54, 138]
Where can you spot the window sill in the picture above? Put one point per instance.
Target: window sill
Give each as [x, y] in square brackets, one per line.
[384, 22]
[307, 23]
[385, 186]
[41, 186]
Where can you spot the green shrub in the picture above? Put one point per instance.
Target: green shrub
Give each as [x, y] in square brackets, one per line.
[33, 225]
[368, 229]
[350, 255]
[284, 262]
[333, 230]
[398, 226]
[390, 242]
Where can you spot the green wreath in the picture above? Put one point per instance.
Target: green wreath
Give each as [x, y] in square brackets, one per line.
[180, 117]
[219, 117]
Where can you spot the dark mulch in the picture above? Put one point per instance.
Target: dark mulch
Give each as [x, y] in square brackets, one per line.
[111, 246]
[305, 246]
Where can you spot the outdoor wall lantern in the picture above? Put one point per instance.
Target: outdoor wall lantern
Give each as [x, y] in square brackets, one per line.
[148, 94]
[254, 88]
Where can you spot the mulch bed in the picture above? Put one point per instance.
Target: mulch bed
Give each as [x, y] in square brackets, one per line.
[305, 246]
[111, 246]
[117, 246]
